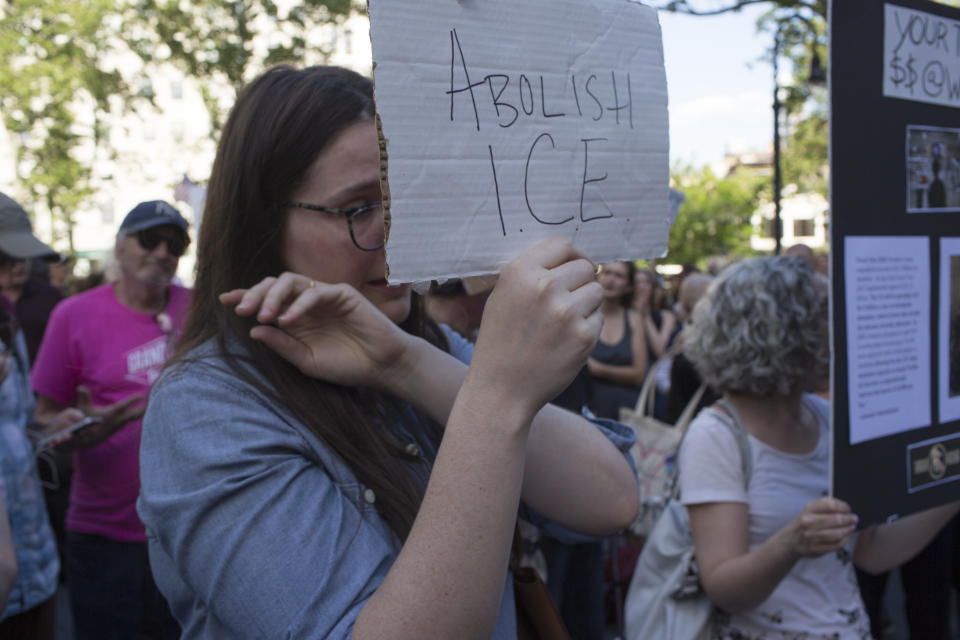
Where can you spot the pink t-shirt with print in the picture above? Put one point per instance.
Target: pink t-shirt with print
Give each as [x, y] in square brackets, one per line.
[94, 341]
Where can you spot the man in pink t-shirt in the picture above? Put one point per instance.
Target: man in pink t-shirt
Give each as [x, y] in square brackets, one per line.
[101, 352]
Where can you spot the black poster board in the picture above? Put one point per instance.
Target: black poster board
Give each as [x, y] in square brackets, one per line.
[895, 199]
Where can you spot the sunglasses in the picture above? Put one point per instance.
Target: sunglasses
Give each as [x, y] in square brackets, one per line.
[150, 238]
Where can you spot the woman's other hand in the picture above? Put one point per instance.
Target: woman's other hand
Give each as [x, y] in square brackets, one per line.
[738, 578]
[330, 332]
[824, 525]
[539, 324]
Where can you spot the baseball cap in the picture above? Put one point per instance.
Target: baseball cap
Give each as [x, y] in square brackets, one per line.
[16, 233]
[152, 214]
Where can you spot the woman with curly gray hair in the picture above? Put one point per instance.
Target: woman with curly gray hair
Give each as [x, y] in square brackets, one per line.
[775, 552]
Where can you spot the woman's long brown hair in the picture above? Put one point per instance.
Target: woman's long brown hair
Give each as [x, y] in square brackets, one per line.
[279, 125]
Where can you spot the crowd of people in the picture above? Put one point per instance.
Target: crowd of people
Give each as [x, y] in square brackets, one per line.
[297, 448]
[96, 355]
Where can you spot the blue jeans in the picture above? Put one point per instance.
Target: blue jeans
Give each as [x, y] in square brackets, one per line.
[575, 580]
[112, 593]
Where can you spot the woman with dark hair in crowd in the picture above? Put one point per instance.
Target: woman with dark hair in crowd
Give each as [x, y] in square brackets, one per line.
[618, 363]
[659, 322]
[317, 459]
[777, 556]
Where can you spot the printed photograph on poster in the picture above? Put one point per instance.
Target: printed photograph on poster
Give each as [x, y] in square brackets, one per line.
[888, 300]
[949, 369]
[933, 169]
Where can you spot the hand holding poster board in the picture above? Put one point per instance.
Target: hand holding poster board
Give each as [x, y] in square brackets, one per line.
[895, 194]
[505, 123]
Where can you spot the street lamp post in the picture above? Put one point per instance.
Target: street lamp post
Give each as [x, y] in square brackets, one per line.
[777, 178]
[816, 77]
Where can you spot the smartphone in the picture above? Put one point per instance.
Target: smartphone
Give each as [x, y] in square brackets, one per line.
[47, 442]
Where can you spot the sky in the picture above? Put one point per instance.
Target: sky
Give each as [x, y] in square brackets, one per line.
[720, 90]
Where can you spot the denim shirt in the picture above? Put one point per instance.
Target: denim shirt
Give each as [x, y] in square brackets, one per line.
[33, 539]
[255, 529]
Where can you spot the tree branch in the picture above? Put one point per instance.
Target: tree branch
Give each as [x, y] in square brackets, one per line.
[685, 6]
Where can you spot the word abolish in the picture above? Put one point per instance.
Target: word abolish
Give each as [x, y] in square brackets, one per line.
[522, 101]
[513, 97]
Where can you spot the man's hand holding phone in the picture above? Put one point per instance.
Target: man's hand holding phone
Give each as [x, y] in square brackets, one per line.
[86, 424]
[114, 416]
[73, 431]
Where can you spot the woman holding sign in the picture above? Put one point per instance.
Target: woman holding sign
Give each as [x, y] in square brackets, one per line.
[318, 460]
[775, 553]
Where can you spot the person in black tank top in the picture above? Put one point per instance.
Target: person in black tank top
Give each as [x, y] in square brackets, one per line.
[619, 360]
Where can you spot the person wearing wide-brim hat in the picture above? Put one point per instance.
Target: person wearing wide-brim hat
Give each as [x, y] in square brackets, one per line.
[28, 610]
[33, 299]
[16, 233]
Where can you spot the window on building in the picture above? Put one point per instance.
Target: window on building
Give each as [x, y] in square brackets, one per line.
[176, 130]
[803, 228]
[348, 41]
[768, 228]
[176, 90]
[146, 88]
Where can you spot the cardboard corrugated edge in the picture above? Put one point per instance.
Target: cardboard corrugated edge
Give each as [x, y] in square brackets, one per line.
[382, 141]
[384, 186]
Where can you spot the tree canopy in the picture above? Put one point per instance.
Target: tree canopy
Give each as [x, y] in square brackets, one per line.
[716, 7]
[714, 218]
[227, 42]
[61, 67]
[799, 38]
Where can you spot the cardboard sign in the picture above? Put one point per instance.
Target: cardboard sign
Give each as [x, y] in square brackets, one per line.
[895, 256]
[921, 56]
[508, 122]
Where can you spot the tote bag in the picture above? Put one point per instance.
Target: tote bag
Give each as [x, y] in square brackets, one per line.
[654, 452]
[665, 600]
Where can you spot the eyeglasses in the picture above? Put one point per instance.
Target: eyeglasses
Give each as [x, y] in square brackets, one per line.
[365, 222]
[150, 238]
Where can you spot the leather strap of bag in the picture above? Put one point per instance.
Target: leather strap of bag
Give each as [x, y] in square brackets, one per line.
[537, 615]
